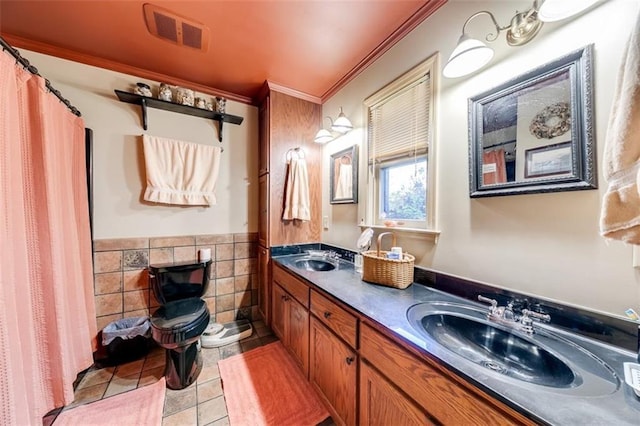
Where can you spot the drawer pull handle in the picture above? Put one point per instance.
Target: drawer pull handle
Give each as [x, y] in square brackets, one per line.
[327, 315]
[349, 360]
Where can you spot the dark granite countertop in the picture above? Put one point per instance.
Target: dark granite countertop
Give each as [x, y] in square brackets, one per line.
[388, 307]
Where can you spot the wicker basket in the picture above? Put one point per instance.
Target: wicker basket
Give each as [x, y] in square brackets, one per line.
[377, 269]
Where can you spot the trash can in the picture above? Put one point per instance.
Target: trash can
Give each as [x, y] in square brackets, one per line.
[127, 339]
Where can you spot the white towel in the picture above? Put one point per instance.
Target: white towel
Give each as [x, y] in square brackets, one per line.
[620, 215]
[344, 187]
[296, 194]
[180, 172]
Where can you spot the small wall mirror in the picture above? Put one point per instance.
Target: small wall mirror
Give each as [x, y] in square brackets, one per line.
[534, 133]
[344, 176]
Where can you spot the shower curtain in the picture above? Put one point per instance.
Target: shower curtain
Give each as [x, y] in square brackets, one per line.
[47, 312]
[493, 167]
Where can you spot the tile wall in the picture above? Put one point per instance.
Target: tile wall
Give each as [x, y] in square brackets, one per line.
[121, 281]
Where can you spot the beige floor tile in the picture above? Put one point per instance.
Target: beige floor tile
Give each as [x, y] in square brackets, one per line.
[150, 376]
[209, 372]
[220, 422]
[209, 390]
[95, 377]
[263, 331]
[129, 368]
[186, 417]
[230, 350]
[179, 400]
[122, 384]
[250, 344]
[88, 394]
[154, 361]
[211, 410]
[210, 356]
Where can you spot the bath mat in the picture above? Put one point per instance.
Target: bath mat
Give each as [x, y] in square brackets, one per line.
[265, 387]
[142, 406]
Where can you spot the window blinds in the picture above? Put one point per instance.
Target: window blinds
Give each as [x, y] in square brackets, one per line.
[398, 125]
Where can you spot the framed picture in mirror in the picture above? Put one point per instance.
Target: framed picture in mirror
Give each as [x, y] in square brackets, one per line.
[534, 133]
[344, 176]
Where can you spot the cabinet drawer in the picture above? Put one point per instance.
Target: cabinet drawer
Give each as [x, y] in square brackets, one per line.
[295, 287]
[335, 318]
[445, 399]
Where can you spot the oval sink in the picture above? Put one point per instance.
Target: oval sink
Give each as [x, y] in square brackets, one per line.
[311, 264]
[498, 350]
[545, 359]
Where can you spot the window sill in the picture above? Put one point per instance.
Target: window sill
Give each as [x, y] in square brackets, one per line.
[428, 234]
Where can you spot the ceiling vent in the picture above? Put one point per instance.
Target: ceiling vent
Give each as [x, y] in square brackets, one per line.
[175, 28]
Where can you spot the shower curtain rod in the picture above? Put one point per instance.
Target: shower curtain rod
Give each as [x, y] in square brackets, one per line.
[33, 70]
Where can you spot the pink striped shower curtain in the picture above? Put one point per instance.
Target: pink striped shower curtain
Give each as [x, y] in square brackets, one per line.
[47, 313]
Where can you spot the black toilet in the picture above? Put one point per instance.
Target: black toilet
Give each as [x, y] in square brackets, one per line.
[182, 318]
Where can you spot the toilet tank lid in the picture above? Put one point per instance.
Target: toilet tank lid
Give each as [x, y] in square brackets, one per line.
[162, 267]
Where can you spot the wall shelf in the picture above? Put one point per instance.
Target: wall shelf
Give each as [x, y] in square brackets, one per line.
[148, 102]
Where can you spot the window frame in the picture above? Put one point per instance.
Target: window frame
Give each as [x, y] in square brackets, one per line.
[429, 66]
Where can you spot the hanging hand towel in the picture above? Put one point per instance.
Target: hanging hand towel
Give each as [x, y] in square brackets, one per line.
[620, 215]
[296, 195]
[180, 172]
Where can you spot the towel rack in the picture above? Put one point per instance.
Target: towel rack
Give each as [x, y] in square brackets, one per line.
[298, 151]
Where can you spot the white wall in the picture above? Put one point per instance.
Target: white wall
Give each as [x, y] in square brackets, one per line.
[541, 244]
[118, 162]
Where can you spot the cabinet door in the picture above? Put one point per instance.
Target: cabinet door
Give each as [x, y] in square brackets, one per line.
[264, 137]
[299, 334]
[332, 371]
[263, 211]
[382, 404]
[280, 313]
[264, 284]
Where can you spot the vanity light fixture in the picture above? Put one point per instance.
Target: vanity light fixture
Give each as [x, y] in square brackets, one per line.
[341, 125]
[471, 54]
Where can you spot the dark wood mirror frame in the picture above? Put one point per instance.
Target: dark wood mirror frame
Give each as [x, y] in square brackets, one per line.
[541, 122]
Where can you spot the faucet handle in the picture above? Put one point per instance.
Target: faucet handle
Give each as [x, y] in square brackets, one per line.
[493, 302]
[526, 314]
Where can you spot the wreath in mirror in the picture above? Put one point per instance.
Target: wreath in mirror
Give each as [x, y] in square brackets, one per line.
[552, 121]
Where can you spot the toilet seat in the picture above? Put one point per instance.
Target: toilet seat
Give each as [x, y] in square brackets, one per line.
[179, 322]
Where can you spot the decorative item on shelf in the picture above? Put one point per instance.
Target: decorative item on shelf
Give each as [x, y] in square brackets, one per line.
[142, 89]
[221, 105]
[378, 268]
[209, 105]
[201, 103]
[185, 96]
[165, 93]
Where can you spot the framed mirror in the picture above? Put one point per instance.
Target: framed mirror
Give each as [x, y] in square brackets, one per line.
[534, 133]
[344, 176]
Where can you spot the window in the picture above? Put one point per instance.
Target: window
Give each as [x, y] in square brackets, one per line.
[400, 150]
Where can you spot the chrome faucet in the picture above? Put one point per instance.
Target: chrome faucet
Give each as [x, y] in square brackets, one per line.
[506, 316]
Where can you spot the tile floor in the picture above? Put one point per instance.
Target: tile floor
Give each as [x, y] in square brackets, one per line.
[198, 405]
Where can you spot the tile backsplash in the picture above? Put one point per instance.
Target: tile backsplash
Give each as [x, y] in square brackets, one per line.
[121, 280]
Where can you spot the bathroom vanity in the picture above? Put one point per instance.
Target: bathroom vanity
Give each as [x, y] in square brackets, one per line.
[363, 350]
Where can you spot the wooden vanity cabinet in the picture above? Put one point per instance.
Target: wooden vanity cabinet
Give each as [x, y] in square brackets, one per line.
[333, 360]
[443, 398]
[286, 120]
[264, 289]
[381, 403]
[290, 315]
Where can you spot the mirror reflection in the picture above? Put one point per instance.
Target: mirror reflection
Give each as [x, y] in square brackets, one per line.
[534, 133]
